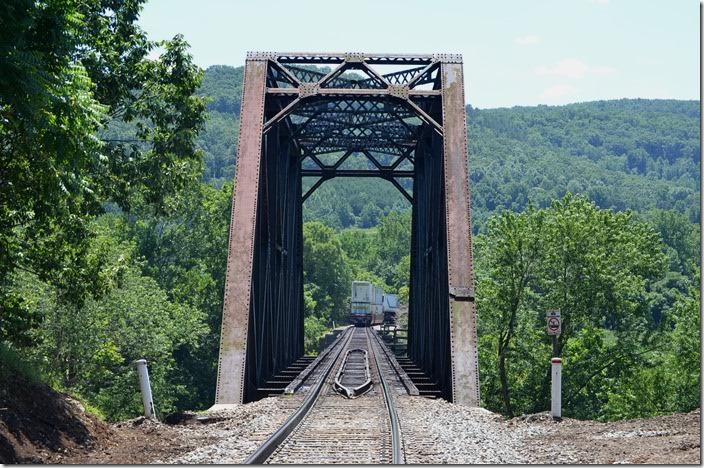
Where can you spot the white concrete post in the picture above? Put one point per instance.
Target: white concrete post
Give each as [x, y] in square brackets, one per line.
[146, 388]
[556, 405]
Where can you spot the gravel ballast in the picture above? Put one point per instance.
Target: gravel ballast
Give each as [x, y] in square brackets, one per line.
[434, 432]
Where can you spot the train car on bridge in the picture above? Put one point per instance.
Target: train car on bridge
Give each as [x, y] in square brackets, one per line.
[390, 307]
[367, 304]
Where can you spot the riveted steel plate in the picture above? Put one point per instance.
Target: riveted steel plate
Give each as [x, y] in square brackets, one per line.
[463, 330]
[399, 91]
[235, 319]
[307, 89]
[354, 57]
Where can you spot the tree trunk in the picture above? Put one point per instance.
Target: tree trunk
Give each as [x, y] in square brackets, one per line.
[503, 377]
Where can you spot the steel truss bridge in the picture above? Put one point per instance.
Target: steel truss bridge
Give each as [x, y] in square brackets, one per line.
[310, 117]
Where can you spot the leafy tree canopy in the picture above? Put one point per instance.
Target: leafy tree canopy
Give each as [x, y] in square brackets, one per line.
[70, 74]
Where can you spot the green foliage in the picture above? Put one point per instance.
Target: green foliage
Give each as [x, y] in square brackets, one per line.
[353, 203]
[595, 266]
[393, 243]
[507, 259]
[625, 154]
[670, 379]
[186, 253]
[90, 349]
[150, 152]
[11, 364]
[133, 322]
[681, 238]
[222, 86]
[381, 255]
[71, 72]
[315, 328]
[49, 150]
[331, 261]
[325, 269]
[89, 122]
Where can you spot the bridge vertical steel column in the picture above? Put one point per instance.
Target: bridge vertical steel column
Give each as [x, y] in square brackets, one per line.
[463, 325]
[429, 343]
[238, 280]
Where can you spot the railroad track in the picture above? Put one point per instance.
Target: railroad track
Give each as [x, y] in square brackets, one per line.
[348, 415]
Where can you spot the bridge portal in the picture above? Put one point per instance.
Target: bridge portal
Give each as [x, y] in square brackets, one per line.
[325, 115]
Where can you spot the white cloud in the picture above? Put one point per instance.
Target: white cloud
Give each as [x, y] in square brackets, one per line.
[528, 40]
[559, 91]
[601, 2]
[574, 68]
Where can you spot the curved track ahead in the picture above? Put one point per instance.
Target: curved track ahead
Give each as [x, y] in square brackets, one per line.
[330, 428]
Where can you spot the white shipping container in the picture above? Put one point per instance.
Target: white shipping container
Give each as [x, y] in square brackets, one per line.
[367, 304]
[378, 296]
[362, 291]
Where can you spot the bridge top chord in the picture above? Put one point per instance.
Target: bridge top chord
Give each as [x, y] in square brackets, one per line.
[338, 57]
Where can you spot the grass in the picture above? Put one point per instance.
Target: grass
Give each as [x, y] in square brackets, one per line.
[88, 407]
[11, 364]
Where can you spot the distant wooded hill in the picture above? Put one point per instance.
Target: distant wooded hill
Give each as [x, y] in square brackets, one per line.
[624, 154]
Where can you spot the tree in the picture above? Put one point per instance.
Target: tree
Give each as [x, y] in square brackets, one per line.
[325, 265]
[680, 236]
[71, 71]
[48, 120]
[186, 253]
[393, 242]
[509, 260]
[89, 349]
[669, 380]
[594, 265]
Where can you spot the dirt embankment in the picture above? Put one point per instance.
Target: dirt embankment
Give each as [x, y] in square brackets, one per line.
[669, 440]
[40, 425]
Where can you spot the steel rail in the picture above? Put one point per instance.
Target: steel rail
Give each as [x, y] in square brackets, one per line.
[272, 443]
[353, 392]
[305, 373]
[396, 445]
[405, 380]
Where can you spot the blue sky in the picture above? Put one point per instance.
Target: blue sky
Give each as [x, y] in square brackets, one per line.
[516, 52]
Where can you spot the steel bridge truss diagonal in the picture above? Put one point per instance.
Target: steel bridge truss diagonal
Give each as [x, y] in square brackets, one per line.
[310, 117]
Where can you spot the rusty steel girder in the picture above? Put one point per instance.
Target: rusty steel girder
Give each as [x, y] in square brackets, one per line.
[316, 116]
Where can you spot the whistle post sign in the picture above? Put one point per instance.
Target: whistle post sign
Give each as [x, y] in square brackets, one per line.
[554, 322]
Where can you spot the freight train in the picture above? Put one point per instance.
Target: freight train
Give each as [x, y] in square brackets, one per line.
[371, 306]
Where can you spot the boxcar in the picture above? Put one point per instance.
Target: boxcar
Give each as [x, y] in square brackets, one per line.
[367, 304]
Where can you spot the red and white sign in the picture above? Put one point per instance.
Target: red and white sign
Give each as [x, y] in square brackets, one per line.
[554, 322]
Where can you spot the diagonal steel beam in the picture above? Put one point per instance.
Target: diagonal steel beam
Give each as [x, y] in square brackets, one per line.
[379, 78]
[333, 73]
[425, 117]
[313, 188]
[281, 114]
[427, 70]
[284, 71]
[401, 189]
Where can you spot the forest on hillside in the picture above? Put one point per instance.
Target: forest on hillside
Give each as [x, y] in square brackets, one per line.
[636, 154]
[114, 219]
